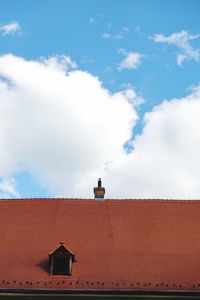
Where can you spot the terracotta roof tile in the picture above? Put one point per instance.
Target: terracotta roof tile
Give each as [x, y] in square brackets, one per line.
[118, 244]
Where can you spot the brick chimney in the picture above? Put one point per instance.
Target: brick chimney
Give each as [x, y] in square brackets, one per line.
[99, 191]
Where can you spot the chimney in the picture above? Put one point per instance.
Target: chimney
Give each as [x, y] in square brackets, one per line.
[99, 191]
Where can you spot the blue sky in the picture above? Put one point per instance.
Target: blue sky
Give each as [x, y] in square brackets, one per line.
[149, 48]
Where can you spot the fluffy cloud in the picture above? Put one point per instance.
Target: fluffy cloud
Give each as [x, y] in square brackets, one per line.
[67, 129]
[165, 159]
[133, 97]
[106, 35]
[180, 40]
[131, 60]
[10, 28]
[8, 189]
[61, 62]
[117, 36]
[59, 123]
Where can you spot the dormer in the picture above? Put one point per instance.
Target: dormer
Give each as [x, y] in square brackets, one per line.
[61, 260]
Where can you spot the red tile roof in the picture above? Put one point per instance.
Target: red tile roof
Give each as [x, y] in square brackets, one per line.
[118, 244]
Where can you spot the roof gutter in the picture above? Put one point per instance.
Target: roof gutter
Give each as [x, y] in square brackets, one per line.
[93, 294]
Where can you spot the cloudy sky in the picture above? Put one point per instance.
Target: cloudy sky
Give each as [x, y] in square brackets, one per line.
[100, 88]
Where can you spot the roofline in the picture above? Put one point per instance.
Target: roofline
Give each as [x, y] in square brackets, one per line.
[150, 200]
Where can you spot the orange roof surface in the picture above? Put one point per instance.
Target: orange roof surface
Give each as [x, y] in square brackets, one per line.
[118, 244]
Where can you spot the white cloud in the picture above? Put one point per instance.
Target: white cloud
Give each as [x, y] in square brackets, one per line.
[8, 189]
[69, 130]
[165, 159]
[181, 40]
[10, 28]
[131, 60]
[63, 126]
[133, 97]
[60, 62]
[106, 35]
[116, 36]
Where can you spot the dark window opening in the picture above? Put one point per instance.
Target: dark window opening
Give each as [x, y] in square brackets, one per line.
[61, 265]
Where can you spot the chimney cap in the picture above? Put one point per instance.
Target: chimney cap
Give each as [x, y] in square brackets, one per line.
[99, 182]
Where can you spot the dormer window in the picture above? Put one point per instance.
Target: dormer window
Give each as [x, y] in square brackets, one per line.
[61, 260]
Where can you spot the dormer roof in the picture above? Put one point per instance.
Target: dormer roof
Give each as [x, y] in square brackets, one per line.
[62, 249]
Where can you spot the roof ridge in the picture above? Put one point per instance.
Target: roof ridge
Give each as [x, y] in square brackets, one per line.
[116, 200]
